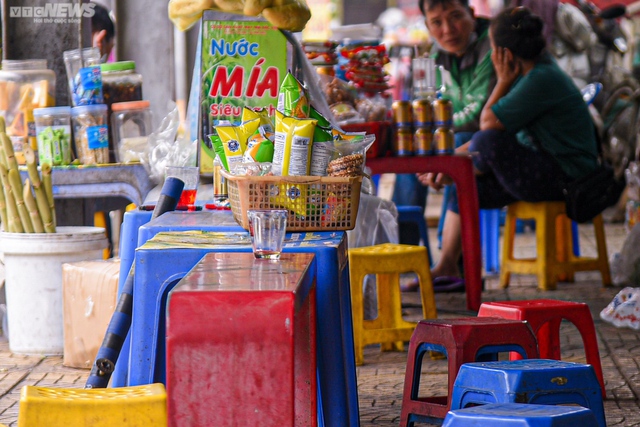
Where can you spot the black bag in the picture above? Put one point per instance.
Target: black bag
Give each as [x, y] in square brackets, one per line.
[590, 195]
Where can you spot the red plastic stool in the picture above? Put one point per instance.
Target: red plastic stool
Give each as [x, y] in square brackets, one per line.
[545, 316]
[463, 340]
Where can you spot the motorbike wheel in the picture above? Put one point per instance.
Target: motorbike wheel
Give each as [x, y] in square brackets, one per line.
[621, 117]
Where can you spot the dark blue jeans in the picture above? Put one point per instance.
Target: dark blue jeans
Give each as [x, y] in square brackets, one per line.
[511, 172]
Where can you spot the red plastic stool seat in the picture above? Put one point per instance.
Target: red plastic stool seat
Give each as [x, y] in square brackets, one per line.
[463, 340]
[545, 316]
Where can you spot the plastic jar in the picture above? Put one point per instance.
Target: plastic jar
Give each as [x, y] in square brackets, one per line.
[120, 82]
[130, 127]
[73, 64]
[53, 131]
[25, 85]
[90, 133]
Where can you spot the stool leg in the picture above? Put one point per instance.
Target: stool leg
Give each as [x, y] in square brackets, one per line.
[507, 248]
[357, 314]
[549, 339]
[547, 257]
[564, 248]
[389, 307]
[602, 251]
[588, 332]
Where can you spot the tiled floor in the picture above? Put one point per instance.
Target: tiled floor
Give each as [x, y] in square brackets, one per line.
[380, 380]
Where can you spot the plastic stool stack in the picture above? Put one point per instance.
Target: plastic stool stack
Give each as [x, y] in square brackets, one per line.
[387, 261]
[555, 257]
[139, 406]
[540, 381]
[520, 415]
[545, 316]
[463, 340]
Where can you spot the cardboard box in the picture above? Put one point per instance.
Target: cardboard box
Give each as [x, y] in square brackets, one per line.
[89, 295]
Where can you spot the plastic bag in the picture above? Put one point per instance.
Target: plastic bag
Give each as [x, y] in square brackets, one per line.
[624, 309]
[164, 149]
[627, 271]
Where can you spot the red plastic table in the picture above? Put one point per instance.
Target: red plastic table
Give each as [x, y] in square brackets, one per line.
[460, 169]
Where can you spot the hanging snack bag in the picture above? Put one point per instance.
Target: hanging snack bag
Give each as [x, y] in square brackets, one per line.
[292, 98]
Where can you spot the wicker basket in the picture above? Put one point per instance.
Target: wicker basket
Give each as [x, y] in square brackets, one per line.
[315, 203]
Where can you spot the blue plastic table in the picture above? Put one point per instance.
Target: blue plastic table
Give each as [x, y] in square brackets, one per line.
[159, 266]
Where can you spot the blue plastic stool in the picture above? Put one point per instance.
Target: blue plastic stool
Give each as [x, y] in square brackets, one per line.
[415, 214]
[490, 238]
[520, 415]
[540, 381]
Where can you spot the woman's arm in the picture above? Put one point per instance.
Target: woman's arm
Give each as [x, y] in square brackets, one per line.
[507, 70]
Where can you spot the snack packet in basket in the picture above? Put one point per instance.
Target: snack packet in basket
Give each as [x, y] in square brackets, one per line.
[234, 140]
[292, 145]
[292, 98]
[291, 156]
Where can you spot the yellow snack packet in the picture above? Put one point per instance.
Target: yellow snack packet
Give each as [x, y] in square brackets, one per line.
[292, 152]
[266, 124]
[234, 140]
[292, 145]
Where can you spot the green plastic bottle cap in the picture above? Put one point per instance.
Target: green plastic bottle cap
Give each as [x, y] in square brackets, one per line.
[118, 66]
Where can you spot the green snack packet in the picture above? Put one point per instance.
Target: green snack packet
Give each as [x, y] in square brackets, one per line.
[292, 98]
[323, 128]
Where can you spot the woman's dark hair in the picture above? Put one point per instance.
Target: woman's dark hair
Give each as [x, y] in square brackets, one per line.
[520, 31]
[425, 5]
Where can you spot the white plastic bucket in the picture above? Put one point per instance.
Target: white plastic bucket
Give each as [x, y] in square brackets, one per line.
[33, 284]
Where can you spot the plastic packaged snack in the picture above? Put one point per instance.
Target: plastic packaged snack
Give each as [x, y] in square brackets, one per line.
[292, 98]
[292, 145]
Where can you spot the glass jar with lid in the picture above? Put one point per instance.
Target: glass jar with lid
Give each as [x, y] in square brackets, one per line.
[130, 127]
[120, 82]
[25, 85]
[90, 133]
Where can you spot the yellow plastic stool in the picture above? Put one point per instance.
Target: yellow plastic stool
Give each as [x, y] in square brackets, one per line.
[100, 220]
[138, 406]
[555, 259]
[387, 261]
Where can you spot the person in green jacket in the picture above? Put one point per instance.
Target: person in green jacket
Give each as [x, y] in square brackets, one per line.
[536, 132]
[462, 48]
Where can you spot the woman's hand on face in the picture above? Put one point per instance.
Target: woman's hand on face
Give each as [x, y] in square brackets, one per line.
[505, 64]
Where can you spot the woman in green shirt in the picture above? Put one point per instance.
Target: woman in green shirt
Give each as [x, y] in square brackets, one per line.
[535, 129]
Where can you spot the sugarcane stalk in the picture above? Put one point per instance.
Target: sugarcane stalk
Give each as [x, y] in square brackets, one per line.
[9, 154]
[32, 207]
[3, 210]
[45, 168]
[38, 189]
[15, 225]
[16, 190]
[3, 157]
[2, 125]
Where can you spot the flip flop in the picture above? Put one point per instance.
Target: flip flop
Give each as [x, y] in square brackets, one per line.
[448, 284]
